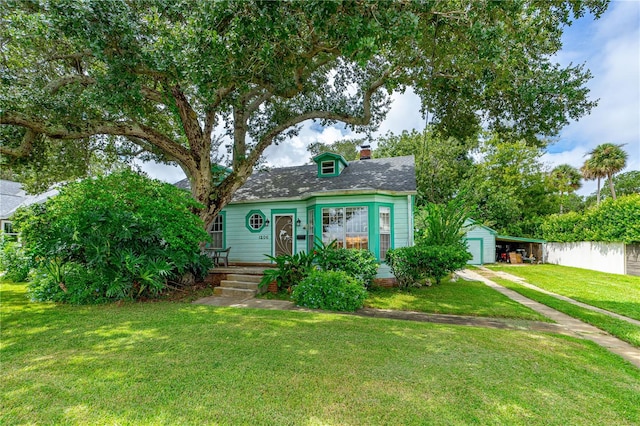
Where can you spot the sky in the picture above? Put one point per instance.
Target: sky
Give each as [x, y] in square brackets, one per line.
[609, 47]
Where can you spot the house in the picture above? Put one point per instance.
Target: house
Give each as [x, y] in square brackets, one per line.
[13, 196]
[365, 204]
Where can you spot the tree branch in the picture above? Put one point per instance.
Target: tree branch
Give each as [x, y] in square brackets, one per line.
[25, 146]
[129, 129]
[66, 80]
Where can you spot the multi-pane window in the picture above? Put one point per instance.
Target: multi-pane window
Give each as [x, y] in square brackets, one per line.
[385, 231]
[348, 226]
[217, 232]
[256, 221]
[310, 236]
[328, 167]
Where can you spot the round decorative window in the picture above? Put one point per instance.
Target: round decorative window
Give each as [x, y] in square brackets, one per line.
[256, 221]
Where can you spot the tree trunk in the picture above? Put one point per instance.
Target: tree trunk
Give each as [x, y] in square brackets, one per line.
[613, 191]
[598, 193]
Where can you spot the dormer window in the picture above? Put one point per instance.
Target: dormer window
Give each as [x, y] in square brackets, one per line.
[330, 164]
[328, 167]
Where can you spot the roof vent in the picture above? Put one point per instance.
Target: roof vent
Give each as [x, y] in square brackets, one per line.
[365, 152]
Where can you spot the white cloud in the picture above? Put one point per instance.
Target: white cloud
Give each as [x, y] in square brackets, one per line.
[611, 47]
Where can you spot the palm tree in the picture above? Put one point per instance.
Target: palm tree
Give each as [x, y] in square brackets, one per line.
[566, 179]
[590, 171]
[608, 158]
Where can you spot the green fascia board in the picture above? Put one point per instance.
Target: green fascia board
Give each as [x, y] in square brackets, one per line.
[519, 239]
[319, 195]
[330, 155]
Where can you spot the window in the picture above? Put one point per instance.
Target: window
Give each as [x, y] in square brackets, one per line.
[256, 221]
[328, 167]
[385, 231]
[7, 227]
[348, 226]
[217, 232]
[310, 236]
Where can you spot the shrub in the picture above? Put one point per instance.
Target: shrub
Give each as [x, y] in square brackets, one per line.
[116, 237]
[330, 290]
[289, 271]
[404, 263]
[413, 265]
[13, 261]
[442, 224]
[360, 264]
[612, 221]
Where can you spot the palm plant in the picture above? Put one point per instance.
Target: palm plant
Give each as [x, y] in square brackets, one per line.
[609, 159]
[590, 171]
[565, 179]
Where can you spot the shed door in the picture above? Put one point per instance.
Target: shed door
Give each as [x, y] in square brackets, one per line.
[283, 235]
[475, 248]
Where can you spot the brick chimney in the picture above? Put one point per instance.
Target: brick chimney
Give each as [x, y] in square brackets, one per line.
[365, 152]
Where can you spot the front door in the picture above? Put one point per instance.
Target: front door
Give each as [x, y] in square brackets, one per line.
[283, 234]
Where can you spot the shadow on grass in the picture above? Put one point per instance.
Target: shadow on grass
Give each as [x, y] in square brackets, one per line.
[185, 364]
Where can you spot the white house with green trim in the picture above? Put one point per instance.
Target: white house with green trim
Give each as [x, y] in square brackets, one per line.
[365, 204]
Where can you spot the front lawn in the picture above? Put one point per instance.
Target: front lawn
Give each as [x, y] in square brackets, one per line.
[613, 292]
[173, 363]
[459, 297]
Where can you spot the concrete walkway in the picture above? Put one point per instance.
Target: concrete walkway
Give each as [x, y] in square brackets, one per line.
[572, 325]
[499, 323]
[565, 324]
[523, 282]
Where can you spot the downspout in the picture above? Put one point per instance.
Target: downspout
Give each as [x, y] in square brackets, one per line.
[410, 220]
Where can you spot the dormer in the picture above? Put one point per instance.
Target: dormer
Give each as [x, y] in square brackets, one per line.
[330, 164]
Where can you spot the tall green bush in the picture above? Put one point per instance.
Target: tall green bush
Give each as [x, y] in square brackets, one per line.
[612, 221]
[115, 237]
[442, 224]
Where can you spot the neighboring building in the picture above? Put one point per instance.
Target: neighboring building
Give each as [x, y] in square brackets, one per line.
[366, 204]
[13, 196]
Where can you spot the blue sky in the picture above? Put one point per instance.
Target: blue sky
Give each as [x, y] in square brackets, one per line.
[609, 47]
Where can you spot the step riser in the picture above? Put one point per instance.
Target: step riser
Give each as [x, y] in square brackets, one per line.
[234, 292]
[244, 278]
[238, 284]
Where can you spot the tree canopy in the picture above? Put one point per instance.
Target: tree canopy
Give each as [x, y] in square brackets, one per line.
[180, 80]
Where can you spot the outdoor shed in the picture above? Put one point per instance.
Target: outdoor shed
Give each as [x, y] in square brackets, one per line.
[530, 249]
[481, 241]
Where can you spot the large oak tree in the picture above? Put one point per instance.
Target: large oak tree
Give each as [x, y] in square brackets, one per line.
[180, 79]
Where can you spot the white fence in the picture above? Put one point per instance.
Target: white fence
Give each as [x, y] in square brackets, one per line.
[604, 257]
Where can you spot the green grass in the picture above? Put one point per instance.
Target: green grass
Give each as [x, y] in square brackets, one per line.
[621, 329]
[613, 292]
[173, 363]
[452, 297]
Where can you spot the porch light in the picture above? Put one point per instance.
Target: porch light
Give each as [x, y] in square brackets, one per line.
[266, 222]
[298, 223]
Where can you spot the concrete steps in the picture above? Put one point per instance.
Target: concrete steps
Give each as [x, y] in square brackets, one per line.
[239, 285]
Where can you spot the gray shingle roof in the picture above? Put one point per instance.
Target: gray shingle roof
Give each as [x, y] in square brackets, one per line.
[13, 196]
[390, 175]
